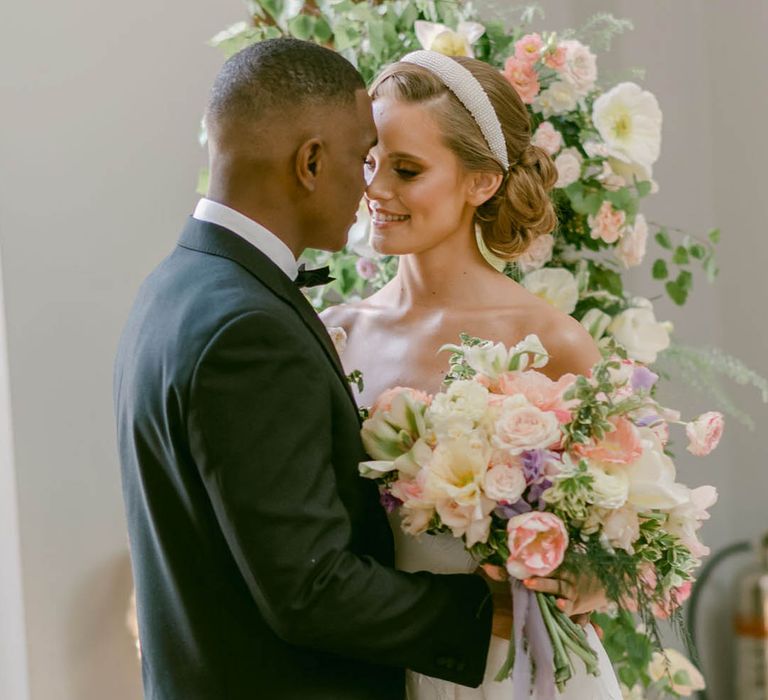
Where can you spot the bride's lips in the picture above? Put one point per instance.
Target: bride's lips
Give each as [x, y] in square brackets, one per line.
[382, 218]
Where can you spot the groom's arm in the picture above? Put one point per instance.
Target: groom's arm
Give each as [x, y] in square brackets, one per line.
[260, 425]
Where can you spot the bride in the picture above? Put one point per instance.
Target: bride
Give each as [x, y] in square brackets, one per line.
[453, 182]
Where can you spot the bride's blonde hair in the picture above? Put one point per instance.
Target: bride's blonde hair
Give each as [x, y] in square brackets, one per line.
[521, 209]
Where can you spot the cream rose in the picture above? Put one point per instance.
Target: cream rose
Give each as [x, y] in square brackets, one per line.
[611, 488]
[556, 285]
[639, 332]
[631, 248]
[560, 97]
[537, 254]
[568, 165]
[521, 426]
[459, 409]
[652, 477]
[580, 68]
[548, 138]
[622, 528]
[505, 482]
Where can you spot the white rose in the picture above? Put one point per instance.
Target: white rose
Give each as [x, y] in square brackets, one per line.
[548, 138]
[568, 165]
[640, 333]
[580, 68]
[683, 677]
[505, 482]
[521, 426]
[628, 120]
[631, 248]
[459, 409]
[611, 180]
[652, 477]
[537, 254]
[611, 488]
[631, 172]
[560, 97]
[622, 528]
[555, 285]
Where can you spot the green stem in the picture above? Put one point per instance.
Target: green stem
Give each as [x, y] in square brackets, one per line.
[562, 662]
[509, 663]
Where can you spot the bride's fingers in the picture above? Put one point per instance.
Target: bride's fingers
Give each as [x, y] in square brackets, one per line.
[555, 586]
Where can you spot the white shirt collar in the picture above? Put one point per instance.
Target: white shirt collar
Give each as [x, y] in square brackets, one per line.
[252, 231]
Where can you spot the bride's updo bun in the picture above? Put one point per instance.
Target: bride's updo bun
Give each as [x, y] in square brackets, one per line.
[521, 209]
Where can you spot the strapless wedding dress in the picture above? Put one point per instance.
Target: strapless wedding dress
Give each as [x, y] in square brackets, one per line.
[444, 554]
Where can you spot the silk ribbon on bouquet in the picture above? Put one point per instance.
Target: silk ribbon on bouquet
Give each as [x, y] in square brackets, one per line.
[533, 648]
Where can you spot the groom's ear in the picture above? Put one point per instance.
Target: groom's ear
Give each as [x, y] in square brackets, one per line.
[482, 186]
[309, 163]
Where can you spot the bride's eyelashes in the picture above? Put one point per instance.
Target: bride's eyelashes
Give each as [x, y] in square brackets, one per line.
[403, 173]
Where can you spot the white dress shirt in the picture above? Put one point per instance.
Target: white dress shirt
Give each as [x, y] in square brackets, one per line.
[252, 231]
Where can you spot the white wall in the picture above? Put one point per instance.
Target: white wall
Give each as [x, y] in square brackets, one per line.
[100, 110]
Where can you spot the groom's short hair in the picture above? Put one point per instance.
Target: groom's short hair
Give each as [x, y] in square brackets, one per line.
[279, 74]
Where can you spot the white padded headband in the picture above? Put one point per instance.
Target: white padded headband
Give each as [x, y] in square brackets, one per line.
[470, 93]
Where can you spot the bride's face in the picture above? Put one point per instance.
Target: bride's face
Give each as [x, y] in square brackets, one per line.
[417, 190]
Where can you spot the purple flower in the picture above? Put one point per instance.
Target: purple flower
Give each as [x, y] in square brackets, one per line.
[537, 491]
[534, 462]
[643, 379]
[391, 503]
[507, 510]
[647, 420]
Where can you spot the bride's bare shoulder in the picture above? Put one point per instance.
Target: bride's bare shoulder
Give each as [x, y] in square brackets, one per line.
[571, 347]
[346, 315]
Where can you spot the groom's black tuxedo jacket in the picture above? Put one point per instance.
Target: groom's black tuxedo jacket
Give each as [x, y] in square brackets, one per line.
[262, 561]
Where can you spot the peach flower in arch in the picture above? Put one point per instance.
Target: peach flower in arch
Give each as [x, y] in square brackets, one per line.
[528, 49]
[523, 78]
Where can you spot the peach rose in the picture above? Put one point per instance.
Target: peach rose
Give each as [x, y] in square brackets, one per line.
[537, 254]
[568, 165]
[537, 544]
[631, 249]
[523, 78]
[620, 446]
[704, 433]
[521, 426]
[548, 138]
[528, 49]
[540, 390]
[556, 59]
[387, 398]
[607, 224]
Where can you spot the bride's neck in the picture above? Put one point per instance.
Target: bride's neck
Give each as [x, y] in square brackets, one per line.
[453, 274]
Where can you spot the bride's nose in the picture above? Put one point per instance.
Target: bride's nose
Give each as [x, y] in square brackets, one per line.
[377, 187]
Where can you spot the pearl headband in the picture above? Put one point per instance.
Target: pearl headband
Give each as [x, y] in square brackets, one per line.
[470, 93]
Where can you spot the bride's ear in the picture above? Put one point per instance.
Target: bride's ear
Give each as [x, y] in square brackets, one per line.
[482, 186]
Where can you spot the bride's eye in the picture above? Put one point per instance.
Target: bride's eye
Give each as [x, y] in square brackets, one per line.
[406, 174]
[368, 163]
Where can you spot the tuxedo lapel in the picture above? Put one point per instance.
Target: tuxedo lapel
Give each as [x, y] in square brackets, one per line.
[213, 239]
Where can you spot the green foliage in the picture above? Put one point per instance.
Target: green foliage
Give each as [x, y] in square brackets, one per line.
[703, 369]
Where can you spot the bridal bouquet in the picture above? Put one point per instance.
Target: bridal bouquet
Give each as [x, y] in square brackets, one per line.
[542, 477]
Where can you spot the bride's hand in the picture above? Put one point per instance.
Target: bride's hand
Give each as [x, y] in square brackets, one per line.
[577, 597]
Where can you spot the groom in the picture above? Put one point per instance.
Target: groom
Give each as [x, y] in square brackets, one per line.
[263, 563]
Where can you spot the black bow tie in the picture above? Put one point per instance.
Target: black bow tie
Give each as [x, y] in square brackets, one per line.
[313, 278]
